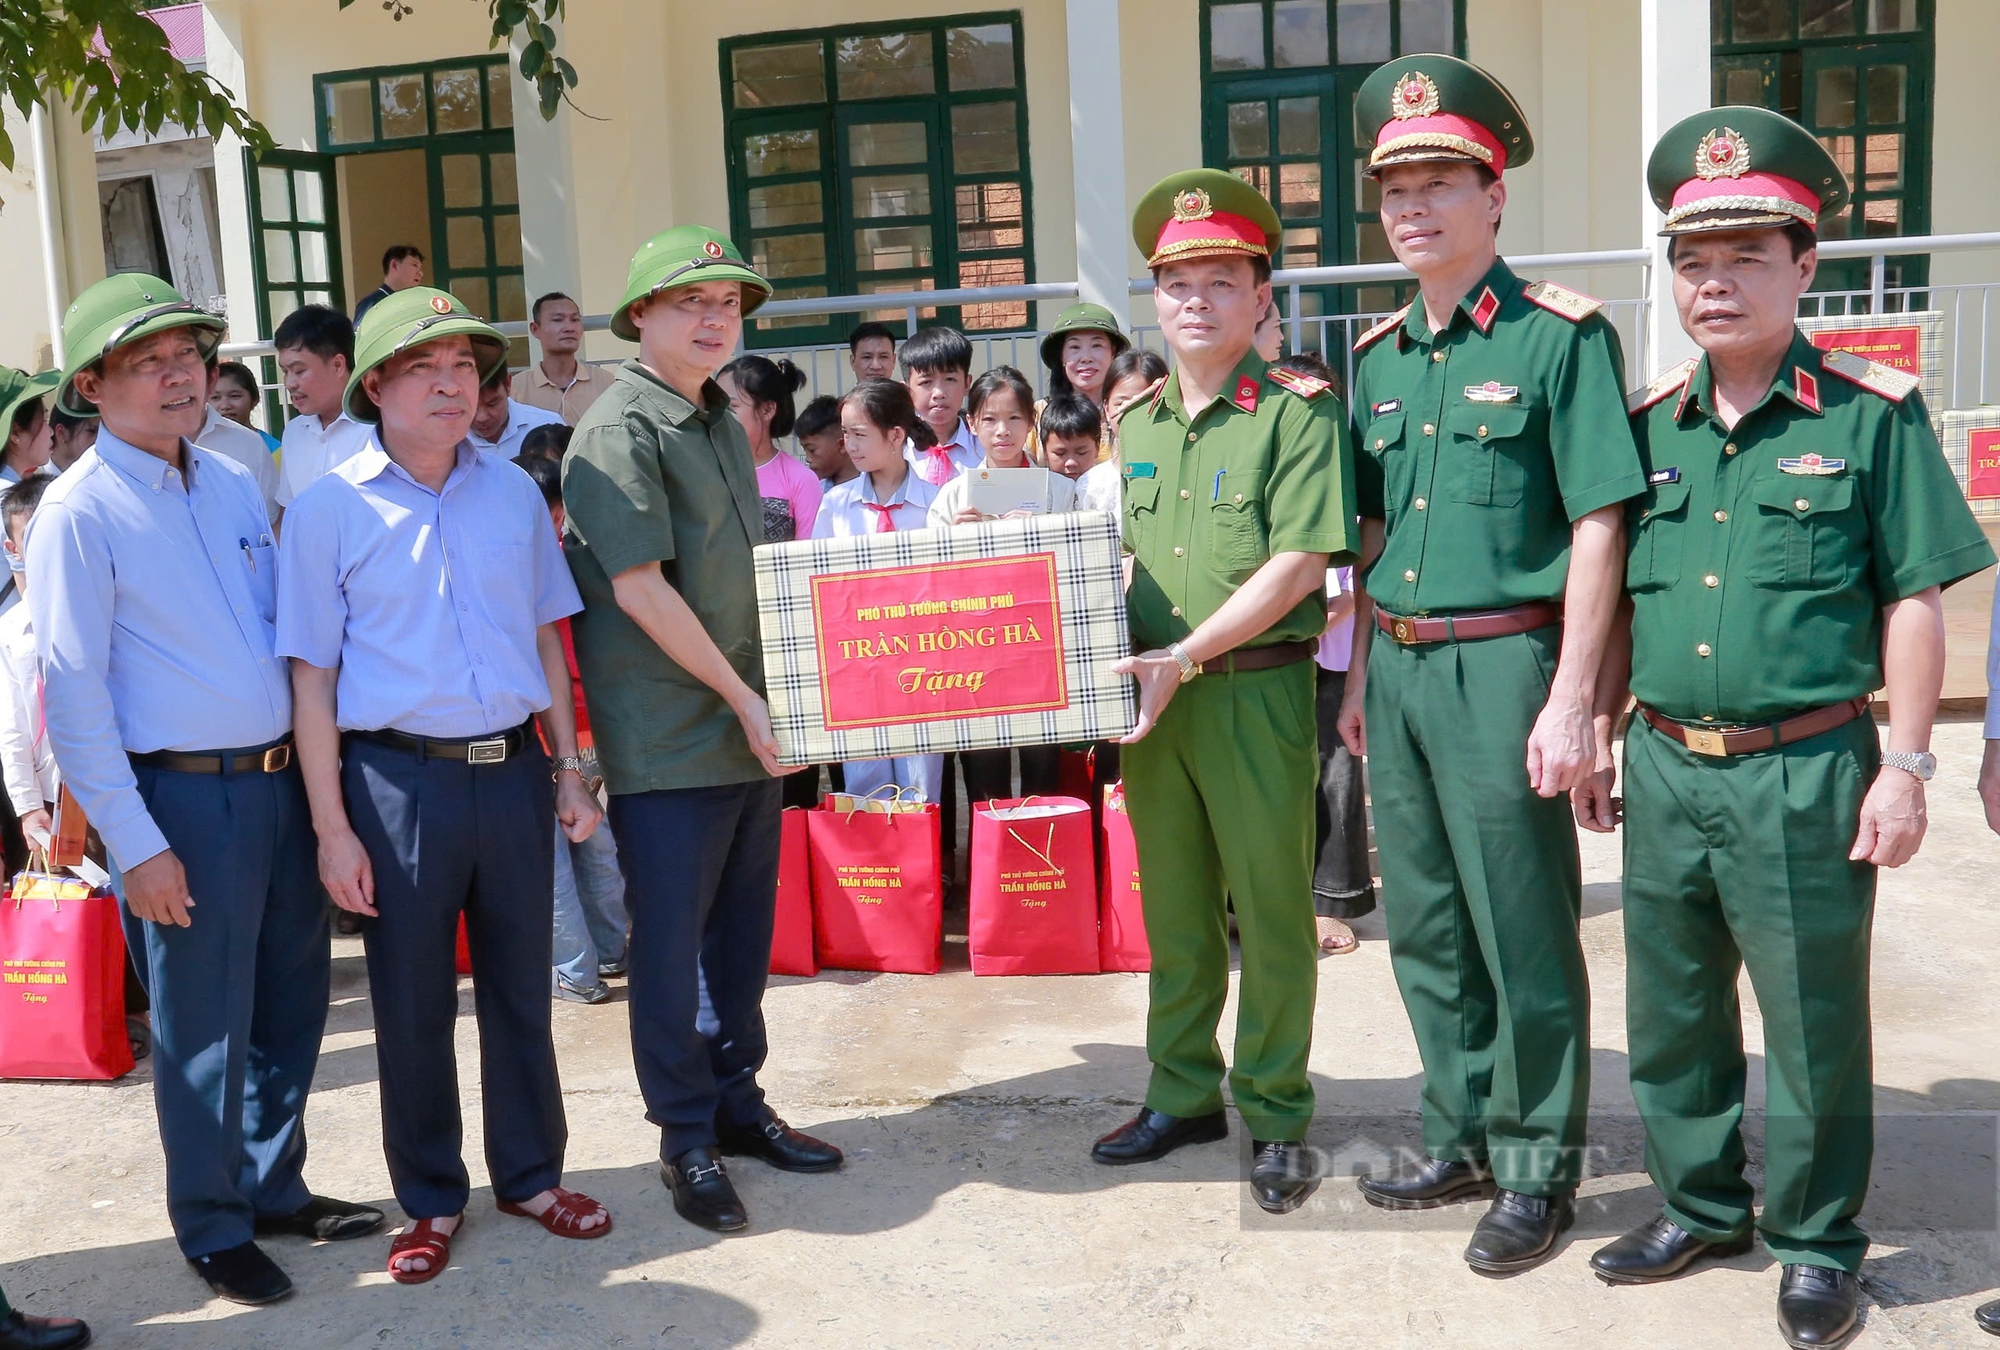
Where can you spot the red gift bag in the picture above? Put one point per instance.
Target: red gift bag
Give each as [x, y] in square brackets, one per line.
[1074, 771]
[1121, 931]
[792, 931]
[877, 888]
[62, 981]
[1034, 888]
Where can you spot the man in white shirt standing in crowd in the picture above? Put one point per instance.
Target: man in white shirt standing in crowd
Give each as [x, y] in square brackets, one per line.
[499, 424]
[559, 383]
[316, 352]
[27, 765]
[241, 444]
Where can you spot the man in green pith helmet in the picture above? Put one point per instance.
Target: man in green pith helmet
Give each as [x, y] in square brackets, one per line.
[663, 511]
[1787, 557]
[1236, 498]
[1494, 460]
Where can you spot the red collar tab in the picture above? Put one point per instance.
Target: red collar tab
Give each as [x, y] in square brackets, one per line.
[1246, 394]
[1483, 312]
[1681, 406]
[1805, 389]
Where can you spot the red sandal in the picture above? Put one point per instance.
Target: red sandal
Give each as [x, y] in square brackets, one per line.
[563, 1217]
[426, 1240]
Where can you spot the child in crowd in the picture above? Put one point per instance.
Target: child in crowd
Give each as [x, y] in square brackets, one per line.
[235, 397]
[1002, 405]
[591, 925]
[25, 451]
[69, 437]
[27, 763]
[549, 441]
[1133, 372]
[760, 394]
[937, 366]
[880, 426]
[1070, 432]
[818, 433]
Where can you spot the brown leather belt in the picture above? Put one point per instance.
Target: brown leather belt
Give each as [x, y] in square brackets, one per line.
[274, 758]
[1766, 736]
[1261, 658]
[1486, 623]
[498, 748]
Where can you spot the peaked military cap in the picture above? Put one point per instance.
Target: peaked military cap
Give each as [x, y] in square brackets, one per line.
[1742, 168]
[1429, 107]
[119, 310]
[410, 318]
[1204, 213]
[1082, 317]
[683, 256]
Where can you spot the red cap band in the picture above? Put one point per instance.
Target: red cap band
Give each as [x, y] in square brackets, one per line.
[1218, 232]
[1768, 193]
[1439, 131]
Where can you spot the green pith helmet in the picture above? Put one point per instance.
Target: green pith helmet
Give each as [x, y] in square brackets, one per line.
[409, 318]
[1204, 213]
[1082, 318]
[1429, 107]
[683, 256]
[18, 387]
[123, 309]
[1742, 168]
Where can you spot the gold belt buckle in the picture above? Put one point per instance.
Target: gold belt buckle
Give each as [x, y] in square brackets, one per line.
[487, 752]
[1704, 742]
[1402, 631]
[278, 758]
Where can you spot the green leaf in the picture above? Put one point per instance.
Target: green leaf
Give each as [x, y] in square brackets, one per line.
[532, 57]
[568, 72]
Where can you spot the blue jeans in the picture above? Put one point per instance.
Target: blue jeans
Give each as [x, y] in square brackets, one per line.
[923, 772]
[590, 907]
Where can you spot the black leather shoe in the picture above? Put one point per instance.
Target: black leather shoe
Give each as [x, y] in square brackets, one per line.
[1282, 1176]
[1987, 1316]
[702, 1192]
[18, 1331]
[1154, 1134]
[322, 1220]
[1429, 1184]
[1519, 1231]
[1816, 1306]
[1658, 1249]
[781, 1146]
[243, 1274]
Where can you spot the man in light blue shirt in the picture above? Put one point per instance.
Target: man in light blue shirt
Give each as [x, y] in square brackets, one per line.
[418, 599]
[170, 714]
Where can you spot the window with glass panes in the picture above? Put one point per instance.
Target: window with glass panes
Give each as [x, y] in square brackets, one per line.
[1857, 74]
[1278, 84]
[297, 247]
[878, 158]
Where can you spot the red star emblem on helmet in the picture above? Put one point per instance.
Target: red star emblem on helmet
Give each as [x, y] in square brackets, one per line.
[712, 249]
[440, 304]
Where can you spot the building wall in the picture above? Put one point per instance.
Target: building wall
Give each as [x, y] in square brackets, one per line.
[1965, 154]
[24, 319]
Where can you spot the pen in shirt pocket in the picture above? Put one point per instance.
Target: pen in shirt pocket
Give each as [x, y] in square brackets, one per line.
[1216, 495]
[249, 557]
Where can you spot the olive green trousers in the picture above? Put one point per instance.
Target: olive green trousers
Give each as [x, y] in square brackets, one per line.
[1735, 864]
[1482, 891]
[1220, 794]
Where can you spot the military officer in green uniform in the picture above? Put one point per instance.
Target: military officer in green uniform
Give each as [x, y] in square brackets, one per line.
[1798, 525]
[1494, 460]
[1236, 479]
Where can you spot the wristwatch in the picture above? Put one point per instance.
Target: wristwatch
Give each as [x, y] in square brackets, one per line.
[1189, 666]
[1919, 764]
[556, 766]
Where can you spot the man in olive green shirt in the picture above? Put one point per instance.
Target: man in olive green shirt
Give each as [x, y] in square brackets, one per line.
[663, 511]
[1787, 558]
[1235, 492]
[1493, 460]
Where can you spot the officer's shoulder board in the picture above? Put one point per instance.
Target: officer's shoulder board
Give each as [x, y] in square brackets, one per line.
[1305, 386]
[1894, 385]
[1383, 328]
[1150, 395]
[1572, 305]
[1661, 389]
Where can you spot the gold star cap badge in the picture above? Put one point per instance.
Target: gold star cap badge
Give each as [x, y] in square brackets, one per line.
[1416, 96]
[1194, 204]
[1722, 154]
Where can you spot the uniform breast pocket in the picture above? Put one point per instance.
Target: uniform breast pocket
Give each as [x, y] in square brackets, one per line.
[1658, 539]
[1488, 449]
[1810, 534]
[262, 562]
[1384, 442]
[1239, 528]
[1142, 513]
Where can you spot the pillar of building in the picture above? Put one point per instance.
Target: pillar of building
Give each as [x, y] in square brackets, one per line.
[1673, 83]
[1097, 155]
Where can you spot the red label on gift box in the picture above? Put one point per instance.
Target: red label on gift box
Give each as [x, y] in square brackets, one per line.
[951, 639]
[1897, 348]
[1982, 464]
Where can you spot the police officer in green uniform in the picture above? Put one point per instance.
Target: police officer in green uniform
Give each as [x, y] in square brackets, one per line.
[1798, 525]
[1493, 462]
[1236, 497]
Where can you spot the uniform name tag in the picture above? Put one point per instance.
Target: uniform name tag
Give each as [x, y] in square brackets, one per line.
[1141, 470]
[1811, 465]
[1659, 476]
[1392, 405]
[1492, 392]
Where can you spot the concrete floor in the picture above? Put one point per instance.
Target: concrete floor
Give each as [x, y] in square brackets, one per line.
[969, 1215]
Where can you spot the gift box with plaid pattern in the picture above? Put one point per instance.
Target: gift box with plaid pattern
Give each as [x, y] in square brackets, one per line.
[929, 641]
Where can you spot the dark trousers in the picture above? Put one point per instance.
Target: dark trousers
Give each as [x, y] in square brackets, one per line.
[989, 774]
[1342, 885]
[446, 838]
[701, 880]
[239, 998]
